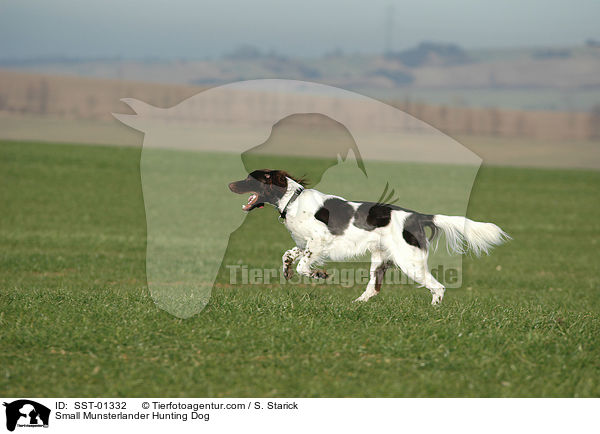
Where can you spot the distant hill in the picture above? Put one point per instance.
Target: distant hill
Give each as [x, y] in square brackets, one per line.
[542, 78]
[431, 54]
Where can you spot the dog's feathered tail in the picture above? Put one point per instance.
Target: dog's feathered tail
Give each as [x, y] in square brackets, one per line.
[463, 234]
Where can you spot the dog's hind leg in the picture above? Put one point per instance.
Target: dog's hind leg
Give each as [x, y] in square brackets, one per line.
[377, 272]
[288, 259]
[416, 268]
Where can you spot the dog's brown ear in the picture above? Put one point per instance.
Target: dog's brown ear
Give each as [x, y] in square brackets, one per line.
[279, 179]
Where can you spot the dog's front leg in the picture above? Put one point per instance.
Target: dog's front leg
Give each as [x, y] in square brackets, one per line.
[288, 259]
[310, 256]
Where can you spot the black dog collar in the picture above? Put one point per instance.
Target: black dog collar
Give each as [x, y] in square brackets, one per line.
[292, 199]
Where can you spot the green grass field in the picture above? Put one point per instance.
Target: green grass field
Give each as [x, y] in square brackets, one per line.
[77, 319]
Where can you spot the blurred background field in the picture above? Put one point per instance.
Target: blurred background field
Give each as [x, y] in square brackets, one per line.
[517, 84]
[537, 111]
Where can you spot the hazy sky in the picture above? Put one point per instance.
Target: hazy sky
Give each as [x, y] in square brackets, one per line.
[198, 29]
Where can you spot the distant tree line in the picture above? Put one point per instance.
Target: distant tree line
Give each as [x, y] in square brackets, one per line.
[428, 52]
[42, 96]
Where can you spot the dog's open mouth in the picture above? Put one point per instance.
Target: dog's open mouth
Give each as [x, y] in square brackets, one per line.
[251, 202]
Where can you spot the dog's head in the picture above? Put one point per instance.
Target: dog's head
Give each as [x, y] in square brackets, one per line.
[264, 186]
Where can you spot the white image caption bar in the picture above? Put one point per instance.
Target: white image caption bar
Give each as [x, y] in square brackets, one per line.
[249, 415]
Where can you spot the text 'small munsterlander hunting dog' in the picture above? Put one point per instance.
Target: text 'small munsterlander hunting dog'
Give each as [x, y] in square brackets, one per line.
[327, 227]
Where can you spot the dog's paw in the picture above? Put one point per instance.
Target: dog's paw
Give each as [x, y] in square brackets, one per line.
[437, 299]
[288, 272]
[319, 274]
[366, 296]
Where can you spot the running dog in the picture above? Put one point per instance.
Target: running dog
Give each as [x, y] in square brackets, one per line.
[329, 227]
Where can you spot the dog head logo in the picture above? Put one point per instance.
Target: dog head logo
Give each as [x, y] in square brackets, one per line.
[192, 151]
[304, 135]
[26, 413]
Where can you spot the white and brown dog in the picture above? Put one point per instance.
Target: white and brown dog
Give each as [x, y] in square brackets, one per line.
[328, 227]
